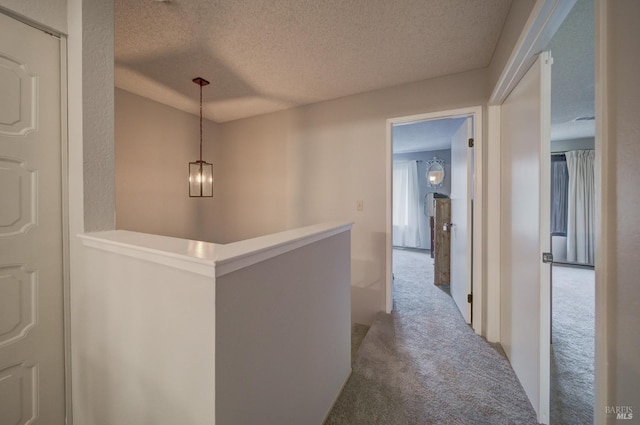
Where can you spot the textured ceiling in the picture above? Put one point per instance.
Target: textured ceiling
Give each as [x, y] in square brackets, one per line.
[573, 73]
[267, 55]
[425, 135]
[572, 93]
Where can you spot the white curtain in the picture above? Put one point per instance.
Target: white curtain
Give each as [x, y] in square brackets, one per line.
[581, 207]
[406, 204]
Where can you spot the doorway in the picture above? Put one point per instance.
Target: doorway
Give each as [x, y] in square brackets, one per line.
[525, 127]
[402, 134]
[573, 207]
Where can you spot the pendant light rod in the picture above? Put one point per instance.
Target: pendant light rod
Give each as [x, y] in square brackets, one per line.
[201, 82]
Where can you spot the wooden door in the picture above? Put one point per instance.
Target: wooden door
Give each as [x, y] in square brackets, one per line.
[32, 389]
[442, 248]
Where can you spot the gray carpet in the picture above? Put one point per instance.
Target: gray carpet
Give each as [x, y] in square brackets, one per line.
[572, 351]
[358, 332]
[423, 365]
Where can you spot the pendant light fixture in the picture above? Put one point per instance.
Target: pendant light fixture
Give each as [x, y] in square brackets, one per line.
[200, 172]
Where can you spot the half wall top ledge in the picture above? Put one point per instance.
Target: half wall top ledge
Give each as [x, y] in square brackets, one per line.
[209, 259]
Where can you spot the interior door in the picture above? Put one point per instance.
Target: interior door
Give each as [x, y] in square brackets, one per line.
[442, 242]
[32, 387]
[461, 218]
[525, 279]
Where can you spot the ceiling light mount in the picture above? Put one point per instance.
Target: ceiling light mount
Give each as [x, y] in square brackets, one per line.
[200, 81]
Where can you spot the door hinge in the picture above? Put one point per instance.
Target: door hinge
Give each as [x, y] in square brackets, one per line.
[470, 143]
[547, 257]
[470, 298]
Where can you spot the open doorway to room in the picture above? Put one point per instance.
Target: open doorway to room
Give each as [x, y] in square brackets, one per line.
[431, 196]
[421, 172]
[421, 178]
[573, 207]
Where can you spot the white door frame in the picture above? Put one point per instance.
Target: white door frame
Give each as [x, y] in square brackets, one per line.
[66, 253]
[478, 210]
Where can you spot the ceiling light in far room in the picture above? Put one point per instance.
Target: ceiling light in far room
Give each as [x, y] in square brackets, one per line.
[200, 172]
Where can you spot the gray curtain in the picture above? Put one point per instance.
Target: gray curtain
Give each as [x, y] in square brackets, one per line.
[559, 194]
[581, 207]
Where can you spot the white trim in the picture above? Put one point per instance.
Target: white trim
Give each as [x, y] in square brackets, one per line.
[75, 182]
[478, 228]
[478, 266]
[28, 21]
[205, 258]
[243, 254]
[66, 264]
[112, 241]
[604, 198]
[544, 20]
[493, 224]
[388, 293]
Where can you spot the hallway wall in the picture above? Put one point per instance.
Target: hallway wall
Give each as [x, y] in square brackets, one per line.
[154, 144]
[617, 265]
[313, 163]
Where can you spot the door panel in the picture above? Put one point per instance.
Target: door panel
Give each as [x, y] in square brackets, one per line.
[525, 165]
[31, 273]
[461, 219]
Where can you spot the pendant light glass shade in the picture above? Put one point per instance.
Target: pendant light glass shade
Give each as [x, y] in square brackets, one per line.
[200, 172]
[200, 179]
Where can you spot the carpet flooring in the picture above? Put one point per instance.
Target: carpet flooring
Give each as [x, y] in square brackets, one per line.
[572, 350]
[358, 332]
[423, 365]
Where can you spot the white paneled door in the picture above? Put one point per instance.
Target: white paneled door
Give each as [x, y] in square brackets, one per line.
[461, 184]
[32, 389]
[525, 281]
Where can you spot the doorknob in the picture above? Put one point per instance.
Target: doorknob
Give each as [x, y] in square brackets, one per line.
[447, 226]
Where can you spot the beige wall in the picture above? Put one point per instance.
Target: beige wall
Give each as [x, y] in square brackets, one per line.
[283, 325]
[311, 164]
[98, 114]
[154, 144]
[618, 153]
[277, 171]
